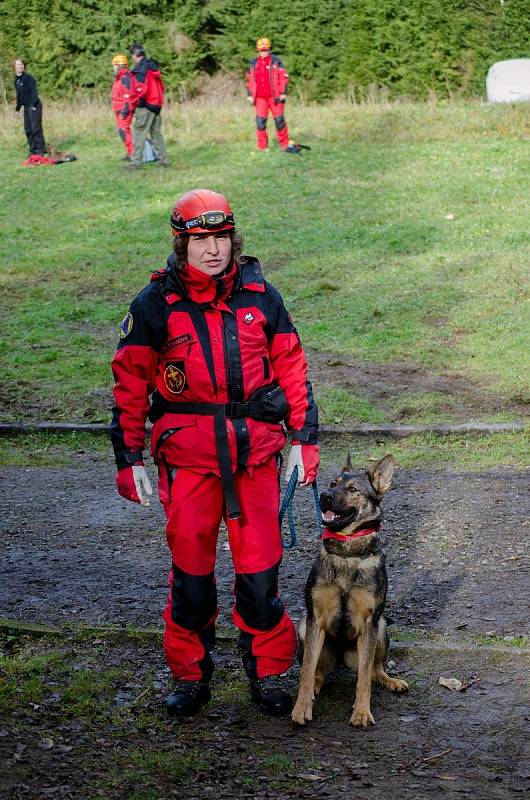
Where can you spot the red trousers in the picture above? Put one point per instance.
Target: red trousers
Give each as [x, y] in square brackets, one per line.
[263, 106]
[194, 506]
[124, 131]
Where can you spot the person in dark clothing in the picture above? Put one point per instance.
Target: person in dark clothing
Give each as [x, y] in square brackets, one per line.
[27, 96]
[147, 99]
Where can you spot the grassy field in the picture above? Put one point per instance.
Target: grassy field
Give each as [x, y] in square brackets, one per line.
[426, 450]
[402, 237]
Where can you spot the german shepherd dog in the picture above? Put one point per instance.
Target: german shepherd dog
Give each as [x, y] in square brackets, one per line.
[345, 593]
[58, 156]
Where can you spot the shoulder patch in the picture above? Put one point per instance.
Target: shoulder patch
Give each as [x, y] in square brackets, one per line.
[127, 325]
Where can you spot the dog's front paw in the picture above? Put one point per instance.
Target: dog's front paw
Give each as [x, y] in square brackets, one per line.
[302, 711]
[398, 686]
[361, 717]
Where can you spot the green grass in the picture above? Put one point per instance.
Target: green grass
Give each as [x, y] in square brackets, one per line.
[21, 678]
[337, 406]
[402, 236]
[170, 765]
[428, 451]
[50, 449]
[431, 451]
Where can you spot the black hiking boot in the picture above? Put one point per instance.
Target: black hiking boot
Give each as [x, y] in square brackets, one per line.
[186, 698]
[270, 695]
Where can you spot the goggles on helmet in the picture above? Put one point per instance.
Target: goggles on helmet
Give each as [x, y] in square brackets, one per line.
[210, 221]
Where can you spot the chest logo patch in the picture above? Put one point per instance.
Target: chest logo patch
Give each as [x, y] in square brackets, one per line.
[249, 318]
[175, 377]
[126, 326]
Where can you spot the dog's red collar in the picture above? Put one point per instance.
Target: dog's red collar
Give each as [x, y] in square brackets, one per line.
[327, 534]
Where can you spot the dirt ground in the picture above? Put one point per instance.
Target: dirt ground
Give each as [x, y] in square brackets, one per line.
[384, 384]
[387, 386]
[74, 551]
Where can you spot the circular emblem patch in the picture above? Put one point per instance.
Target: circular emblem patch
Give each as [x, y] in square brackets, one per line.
[174, 378]
[126, 326]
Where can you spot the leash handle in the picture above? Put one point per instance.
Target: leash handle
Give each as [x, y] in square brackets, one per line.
[287, 505]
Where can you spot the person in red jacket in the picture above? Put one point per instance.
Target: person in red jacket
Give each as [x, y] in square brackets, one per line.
[121, 101]
[209, 353]
[147, 103]
[267, 90]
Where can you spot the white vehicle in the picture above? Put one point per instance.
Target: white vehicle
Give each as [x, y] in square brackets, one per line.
[509, 81]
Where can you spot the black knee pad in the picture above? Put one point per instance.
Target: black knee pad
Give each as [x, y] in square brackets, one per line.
[261, 123]
[257, 601]
[193, 599]
[121, 134]
[279, 122]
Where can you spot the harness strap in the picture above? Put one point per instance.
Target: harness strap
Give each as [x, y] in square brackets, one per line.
[220, 412]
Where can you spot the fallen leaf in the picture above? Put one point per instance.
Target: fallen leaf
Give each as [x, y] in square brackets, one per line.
[451, 683]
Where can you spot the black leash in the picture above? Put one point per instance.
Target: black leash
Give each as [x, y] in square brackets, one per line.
[287, 505]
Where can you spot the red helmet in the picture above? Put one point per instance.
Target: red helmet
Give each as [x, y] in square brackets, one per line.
[200, 211]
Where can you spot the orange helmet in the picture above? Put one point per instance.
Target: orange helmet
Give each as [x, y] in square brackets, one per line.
[263, 44]
[120, 60]
[201, 211]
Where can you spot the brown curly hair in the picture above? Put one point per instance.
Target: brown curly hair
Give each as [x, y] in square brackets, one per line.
[180, 246]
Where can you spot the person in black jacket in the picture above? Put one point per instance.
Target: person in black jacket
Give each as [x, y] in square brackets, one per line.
[27, 96]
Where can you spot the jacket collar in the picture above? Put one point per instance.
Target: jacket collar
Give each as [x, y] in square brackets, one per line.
[185, 284]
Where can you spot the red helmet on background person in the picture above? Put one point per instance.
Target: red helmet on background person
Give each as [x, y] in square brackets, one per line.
[201, 211]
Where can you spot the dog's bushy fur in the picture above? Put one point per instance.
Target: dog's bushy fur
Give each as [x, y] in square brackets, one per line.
[58, 156]
[345, 594]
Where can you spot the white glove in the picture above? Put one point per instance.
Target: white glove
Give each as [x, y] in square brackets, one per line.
[305, 457]
[143, 486]
[295, 460]
[134, 485]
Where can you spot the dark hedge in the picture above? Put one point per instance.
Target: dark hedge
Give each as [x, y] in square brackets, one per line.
[329, 46]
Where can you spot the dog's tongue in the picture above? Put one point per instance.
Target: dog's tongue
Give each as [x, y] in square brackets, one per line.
[329, 516]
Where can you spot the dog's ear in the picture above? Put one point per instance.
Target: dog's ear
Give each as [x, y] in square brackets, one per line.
[381, 474]
[348, 465]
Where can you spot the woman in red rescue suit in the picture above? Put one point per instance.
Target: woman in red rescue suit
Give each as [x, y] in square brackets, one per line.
[209, 353]
[121, 101]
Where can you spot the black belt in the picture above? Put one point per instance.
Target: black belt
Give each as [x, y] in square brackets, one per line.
[267, 404]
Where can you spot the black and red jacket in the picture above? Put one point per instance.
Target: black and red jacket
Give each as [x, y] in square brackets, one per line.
[121, 92]
[148, 86]
[191, 338]
[26, 89]
[277, 75]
